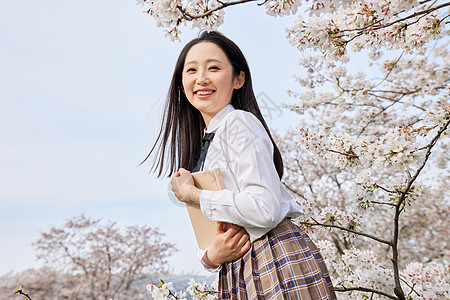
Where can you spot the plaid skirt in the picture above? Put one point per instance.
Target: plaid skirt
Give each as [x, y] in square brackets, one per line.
[282, 264]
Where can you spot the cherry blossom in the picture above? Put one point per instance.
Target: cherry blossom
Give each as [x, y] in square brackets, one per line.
[368, 159]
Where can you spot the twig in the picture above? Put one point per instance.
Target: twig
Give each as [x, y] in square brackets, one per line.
[411, 287]
[363, 289]
[419, 13]
[383, 203]
[293, 191]
[20, 292]
[423, 2]
[386, 190]
[345, 154]
[190, 17]
[379, 113]
[348, 230]
[389, 73]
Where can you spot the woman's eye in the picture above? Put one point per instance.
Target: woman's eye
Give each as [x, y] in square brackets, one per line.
[190, 70]
[214, 68]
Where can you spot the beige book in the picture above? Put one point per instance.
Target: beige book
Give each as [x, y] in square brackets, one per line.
[204, 228]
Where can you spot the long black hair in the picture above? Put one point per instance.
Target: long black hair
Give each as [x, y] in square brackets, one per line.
[180, 136]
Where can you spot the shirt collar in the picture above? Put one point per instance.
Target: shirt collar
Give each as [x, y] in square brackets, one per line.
[217, 119]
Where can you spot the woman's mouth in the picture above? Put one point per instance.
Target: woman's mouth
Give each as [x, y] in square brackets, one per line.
[204, 93]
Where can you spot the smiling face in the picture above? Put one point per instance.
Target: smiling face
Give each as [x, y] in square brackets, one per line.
[208, 79]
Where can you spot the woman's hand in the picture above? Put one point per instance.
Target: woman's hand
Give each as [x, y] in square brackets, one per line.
[229, 244]
[183, 187]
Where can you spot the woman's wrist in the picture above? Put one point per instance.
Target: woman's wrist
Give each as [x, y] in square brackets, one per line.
[195, 195]
[209, 262]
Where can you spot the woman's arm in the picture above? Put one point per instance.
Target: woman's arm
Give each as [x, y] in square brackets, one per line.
[229, 244]
[256, 202]
[184, 189]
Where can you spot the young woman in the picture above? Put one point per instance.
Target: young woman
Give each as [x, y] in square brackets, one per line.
[212, 120]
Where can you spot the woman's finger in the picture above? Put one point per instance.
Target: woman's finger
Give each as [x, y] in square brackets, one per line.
[183, 170]
[220, 228]
[246, 246]
[242, 230]
[226, 226]
[243, 240]
[185, 177]
[233, 230]
[176, 174]
[240, 233]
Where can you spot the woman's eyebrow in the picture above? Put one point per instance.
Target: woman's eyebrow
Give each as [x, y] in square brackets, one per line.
[208, 61]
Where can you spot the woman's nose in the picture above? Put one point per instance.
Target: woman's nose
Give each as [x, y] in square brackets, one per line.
[202, 78]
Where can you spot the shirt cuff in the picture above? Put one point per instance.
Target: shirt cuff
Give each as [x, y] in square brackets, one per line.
[200, 254]
[205, 203]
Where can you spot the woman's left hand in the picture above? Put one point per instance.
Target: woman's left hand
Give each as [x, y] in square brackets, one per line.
[183, 187]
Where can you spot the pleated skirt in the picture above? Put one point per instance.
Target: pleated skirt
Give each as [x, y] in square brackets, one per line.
[282, 264]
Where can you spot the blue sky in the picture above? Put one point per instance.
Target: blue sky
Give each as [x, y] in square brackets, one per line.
[82, 85]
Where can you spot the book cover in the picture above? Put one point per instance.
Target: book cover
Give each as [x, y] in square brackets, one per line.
[204, 228]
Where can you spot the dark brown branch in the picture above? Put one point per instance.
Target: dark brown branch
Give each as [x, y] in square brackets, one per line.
[430, 146]
[293, 191]
[348, 230]
[423, 2]
[363, 289]
[20, 292]
[262, 3]
[390, 71]
[373, 26]
[411, 287]
[190, 17]
[377, 114]
[395, 259]
[386, 190]
[392, 92]
[345, 154]
[399, 207]
[382, 203]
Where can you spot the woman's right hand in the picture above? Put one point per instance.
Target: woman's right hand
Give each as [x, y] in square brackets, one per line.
[230, 243]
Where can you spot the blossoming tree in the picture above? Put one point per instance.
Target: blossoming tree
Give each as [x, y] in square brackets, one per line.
[89, 259]
[369, 158]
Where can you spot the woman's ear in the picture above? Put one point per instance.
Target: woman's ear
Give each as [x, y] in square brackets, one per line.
[239, 80]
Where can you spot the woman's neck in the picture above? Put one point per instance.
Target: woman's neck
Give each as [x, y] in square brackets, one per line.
[206, 119]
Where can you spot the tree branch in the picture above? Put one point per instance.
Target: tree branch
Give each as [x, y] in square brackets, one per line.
[374, 27]
[377, 114]
[363, 289]
[386, 190]
[411, 287]
[345, 154]
[190, 17]
[348, 230]
[20, 292]
[293, 191]
[427, 154]
[382, 203]
[390, 70]
[399, 207]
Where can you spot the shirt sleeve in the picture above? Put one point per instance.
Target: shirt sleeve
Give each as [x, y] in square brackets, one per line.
[249, 154]
[200, 254]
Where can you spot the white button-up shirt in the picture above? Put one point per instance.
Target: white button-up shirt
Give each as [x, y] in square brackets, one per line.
[254, 197]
